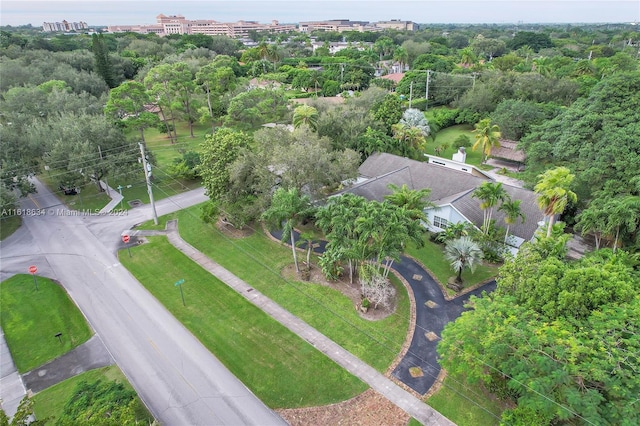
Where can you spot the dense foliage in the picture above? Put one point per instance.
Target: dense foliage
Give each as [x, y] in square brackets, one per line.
[560, 340]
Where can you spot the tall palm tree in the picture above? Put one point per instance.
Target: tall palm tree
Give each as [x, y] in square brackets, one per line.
[288, 208]
[487, 137]
[512, 212]
[489, 194]
[305, 115]
[463, 253]
[623, 215]
[554, 193]
[414, 200]
[401, 56]
[593, 221]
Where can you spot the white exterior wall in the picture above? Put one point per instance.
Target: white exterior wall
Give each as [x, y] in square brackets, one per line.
[446, 212]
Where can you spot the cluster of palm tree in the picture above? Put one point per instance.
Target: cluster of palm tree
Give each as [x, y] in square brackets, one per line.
[490, 195]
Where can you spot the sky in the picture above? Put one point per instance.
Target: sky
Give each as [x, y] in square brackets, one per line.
[130, 12]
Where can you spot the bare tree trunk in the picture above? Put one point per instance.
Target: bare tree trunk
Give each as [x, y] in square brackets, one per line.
[551, 220]
[293, 248]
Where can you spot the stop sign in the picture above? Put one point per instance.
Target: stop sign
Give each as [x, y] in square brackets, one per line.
[125, 238]
[33, 269]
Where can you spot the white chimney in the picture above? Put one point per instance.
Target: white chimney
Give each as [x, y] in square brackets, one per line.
[460, 156]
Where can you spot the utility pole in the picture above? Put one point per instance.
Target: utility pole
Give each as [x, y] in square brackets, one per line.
[105, 179]
[147, 175]
[426, 92]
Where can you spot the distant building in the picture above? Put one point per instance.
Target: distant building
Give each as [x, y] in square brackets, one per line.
[396, 24]
[178, 24]
[340, 25]
[64, 26]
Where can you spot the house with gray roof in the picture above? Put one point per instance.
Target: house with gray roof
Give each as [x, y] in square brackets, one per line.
[452, 184]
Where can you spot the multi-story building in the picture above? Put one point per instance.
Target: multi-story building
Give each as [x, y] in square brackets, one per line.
[341, 25]
[396, 24]
[178, 24]
[63, 26]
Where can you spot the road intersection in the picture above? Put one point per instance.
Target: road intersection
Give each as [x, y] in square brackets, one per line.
[180, 381]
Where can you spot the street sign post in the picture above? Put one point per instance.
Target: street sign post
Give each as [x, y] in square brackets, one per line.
[32, 270]
[126, 239]
[179, 284]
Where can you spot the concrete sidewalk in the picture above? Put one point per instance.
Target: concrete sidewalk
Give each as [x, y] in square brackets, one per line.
[116, 198]
[11, 387]
[394, 393]
[91, 354]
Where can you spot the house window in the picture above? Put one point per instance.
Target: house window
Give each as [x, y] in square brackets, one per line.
[440, 222]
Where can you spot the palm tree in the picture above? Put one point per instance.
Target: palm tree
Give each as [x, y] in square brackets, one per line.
[553, 187]
[414, 200]
[288, 208]
[623, 214]
[489, 194]
[512, 212]
[467, 57]
[594, 221]
[487, 137]
[463, 253]
[411, 139]
[305, 115]
[401, 56]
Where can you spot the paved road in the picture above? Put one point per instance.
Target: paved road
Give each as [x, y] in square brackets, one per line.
[181, 382]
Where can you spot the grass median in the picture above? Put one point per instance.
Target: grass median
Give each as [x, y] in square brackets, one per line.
[32, 318]
[278, 366]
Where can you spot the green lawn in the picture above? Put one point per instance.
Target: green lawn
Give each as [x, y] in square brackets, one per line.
[432, 257]
[9, 225]
[49, 403]
[466, 404]
[31, 318]
[447, 136]
[279, 367]
[89, 198]
[258, 260]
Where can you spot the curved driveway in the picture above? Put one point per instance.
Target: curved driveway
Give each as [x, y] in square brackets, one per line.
[433, 312]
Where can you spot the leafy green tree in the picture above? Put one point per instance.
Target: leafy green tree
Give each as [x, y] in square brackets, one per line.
[159, 82]
[487, 136]
[257, 106]
[535, 41]
[389, 111]
[102, 403]
[127, 105]
[85, 148]
[305, 115]
[219, 151]
[462, 253]
[554, 339]
[515, 117]
[288, 209]
[554, 193]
